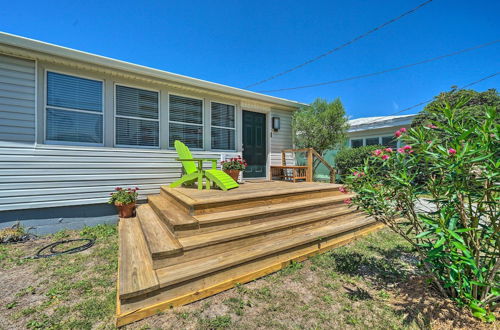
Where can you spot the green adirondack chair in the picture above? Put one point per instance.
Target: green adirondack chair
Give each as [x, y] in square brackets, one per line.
[195, 172]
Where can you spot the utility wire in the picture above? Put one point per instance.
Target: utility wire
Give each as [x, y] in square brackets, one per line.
[464, 86]
[383, 71]
[411, 11]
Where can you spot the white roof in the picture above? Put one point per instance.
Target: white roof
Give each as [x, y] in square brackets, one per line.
[51, 49]
[366, 123]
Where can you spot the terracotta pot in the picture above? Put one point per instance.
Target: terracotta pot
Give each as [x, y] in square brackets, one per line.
[125, 210]
[235, 174]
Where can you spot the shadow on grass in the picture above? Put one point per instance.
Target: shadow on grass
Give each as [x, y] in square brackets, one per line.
[418, 302]
[389, 268]
[358, 294]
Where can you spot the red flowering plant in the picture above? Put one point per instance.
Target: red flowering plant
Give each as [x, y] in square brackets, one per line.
[448, 210]
[124, 196]
[236, 163]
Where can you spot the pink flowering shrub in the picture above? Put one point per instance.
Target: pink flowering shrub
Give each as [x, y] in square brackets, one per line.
[456, 233]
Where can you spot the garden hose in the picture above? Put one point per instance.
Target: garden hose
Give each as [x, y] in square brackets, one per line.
[51, 247]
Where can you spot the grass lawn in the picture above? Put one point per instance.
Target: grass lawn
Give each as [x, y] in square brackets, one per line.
[370, 283]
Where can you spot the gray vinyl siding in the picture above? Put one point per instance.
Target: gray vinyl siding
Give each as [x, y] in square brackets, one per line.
[17, 99]
[38, 175]
[281, 139]
[52, 176]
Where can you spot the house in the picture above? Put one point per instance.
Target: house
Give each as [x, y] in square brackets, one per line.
[376, 130]
[75, 125]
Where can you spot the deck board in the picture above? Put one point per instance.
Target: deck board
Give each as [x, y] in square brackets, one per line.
[136, 269]
[160, 240]
[189, 270]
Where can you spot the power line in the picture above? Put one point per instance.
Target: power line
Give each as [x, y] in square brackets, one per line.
[411, 11]
[383, 71]
[464, 86]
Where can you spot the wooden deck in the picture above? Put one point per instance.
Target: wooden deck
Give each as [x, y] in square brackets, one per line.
[187, 244]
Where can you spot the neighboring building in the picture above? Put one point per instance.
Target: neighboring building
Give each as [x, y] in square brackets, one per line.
[74, 125]
[376, 130]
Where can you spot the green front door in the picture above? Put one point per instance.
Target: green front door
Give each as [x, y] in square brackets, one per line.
[254, 144]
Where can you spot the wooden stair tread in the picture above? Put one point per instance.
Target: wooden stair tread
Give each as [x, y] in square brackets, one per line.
[136, 272]
[265, 209]
[159, 238]
[200, 240]
[170, 213]
[206, 197]
[182, 272]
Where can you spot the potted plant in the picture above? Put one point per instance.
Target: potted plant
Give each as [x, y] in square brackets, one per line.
[234, 166]
[124, 200]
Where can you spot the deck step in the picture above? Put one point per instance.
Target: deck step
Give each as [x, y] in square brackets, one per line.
[172, 215]
[273, 209]
[200, 267]
[271, 224]
[203, 201]
[162, 243]
[136, 274]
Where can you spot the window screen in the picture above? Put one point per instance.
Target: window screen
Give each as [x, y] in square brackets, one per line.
[137, 117]
[186, 121]
[372, 141]
[356, 143]
[74, 109]
[223, 128]
[389, 141]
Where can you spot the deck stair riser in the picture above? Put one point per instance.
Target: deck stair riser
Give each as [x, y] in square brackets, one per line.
[195, 207]
[253, 240]
[213, 222]
[180, 273]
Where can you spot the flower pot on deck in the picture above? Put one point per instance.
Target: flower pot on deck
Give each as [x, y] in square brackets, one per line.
[235, 174]
[125, 210]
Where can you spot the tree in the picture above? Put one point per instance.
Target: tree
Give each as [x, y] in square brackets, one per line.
[469, 104]
[322, 125]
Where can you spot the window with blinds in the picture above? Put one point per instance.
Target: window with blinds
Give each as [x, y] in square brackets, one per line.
[186, 121]
[223, 130]
[137, 118]
[74, 110]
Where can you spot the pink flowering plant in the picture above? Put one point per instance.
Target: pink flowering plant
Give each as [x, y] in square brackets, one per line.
[124, 196]
[440, 192]
[236, 163]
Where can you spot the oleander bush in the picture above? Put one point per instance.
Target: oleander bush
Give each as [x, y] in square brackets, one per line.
[455, 228]
[348, 158]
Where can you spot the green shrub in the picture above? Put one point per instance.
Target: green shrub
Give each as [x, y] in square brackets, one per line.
[349, 158]
[456, 230]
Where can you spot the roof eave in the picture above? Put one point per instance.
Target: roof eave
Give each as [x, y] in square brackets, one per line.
[51, 49]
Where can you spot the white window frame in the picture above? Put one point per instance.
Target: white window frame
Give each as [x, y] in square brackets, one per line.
[137, 118]
[45, 106]
[182, 123]
[371, 137]
[212, 126]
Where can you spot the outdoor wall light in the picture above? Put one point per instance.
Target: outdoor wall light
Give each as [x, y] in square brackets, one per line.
[276, 123]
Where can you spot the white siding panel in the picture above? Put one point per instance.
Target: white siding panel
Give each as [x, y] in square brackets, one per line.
[283, 138]
[52, 176]
[17, 99]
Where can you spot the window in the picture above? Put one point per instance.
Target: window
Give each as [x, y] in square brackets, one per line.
[372, 141]
[136, 117]
[223, 128]
[186, 121]
[74, 110]
[356, 143]
[389, 141]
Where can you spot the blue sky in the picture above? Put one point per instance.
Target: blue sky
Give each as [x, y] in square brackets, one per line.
[238, 43]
